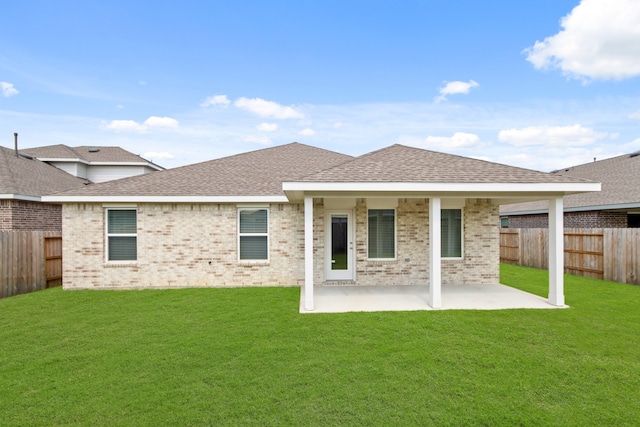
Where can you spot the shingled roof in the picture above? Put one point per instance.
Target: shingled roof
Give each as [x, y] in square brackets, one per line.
[256, 173]
[89, 154]
[620, 178]
[23, 176]
[399, 163]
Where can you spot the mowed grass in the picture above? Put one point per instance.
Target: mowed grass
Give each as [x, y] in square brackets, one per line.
[246, 357]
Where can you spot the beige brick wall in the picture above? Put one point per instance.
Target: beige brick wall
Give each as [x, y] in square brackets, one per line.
[479, 265]
[481, 261]
[195, 245]
[182, 245]
[411, 267]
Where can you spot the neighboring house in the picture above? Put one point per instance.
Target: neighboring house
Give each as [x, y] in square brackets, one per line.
[300, 215]
[23, 182]
[616, 206]
[95, 163]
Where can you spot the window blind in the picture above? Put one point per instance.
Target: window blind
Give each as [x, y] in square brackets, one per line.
[253, 221]
[451, 233]
[121, 235]
[253, 234]
[382, 233]
[122, 221]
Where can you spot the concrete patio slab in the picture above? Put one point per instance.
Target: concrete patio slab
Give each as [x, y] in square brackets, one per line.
[344, 299]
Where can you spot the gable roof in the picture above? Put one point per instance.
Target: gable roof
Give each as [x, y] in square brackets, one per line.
[399, 163]
[256, 174]
[620, 178]
[286, 172]
[22, 177]
[87, 154]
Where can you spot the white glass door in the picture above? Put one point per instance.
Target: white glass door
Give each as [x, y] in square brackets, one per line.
[339, 244]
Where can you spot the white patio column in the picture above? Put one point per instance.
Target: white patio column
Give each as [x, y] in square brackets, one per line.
[308, 253]
[435, 265]
[556, 251]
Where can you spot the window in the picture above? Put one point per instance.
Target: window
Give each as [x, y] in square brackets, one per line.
[504, 222]
[253, 236]
[382, 233]
[122, 235]
[451, 233]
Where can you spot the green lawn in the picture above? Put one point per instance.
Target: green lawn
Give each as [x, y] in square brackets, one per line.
[246, 357]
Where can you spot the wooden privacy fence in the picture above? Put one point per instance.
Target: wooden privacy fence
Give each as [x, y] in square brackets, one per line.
[601, 253]
[29, 261]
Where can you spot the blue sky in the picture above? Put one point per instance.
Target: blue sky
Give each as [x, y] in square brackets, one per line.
[541, 84]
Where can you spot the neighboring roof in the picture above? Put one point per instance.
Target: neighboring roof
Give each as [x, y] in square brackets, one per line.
[87, 154]
[399, 163]
[256, 174]
[620, 178]
[22, 177]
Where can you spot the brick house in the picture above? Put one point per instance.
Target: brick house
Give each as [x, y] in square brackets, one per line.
[23, 182]
[616, 206]
[26, 175]
[94, 163]
[296, 215]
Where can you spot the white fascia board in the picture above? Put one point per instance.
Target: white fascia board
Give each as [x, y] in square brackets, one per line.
[20, 197]
[119, 164]
[61, 160]
[165, 199]
[576, 209]
[430, 187]
[86, 162]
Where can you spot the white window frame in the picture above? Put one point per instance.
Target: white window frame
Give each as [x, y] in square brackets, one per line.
[108, 235]
[461, 233]
[395, 233]
[254, 261]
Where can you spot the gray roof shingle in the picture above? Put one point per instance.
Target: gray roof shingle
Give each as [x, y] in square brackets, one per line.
[20, 175]
[620, 178]
[399, 163]
[86, 153]
[256, 173]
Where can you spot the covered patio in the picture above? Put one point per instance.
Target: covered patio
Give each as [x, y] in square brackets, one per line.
[436, 218]
[344, 299]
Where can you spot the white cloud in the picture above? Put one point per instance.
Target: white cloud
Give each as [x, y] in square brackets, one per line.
[157, 155]
[161, 122]
[265, 108]
[262, 140]
[125, 126]
[635, 115]
[599, 40]
[307, 132]
[454, 88]
[267, 127]
[7, 89]
[575, 135]
[133, 126]
[220, 100]
[458, 141]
